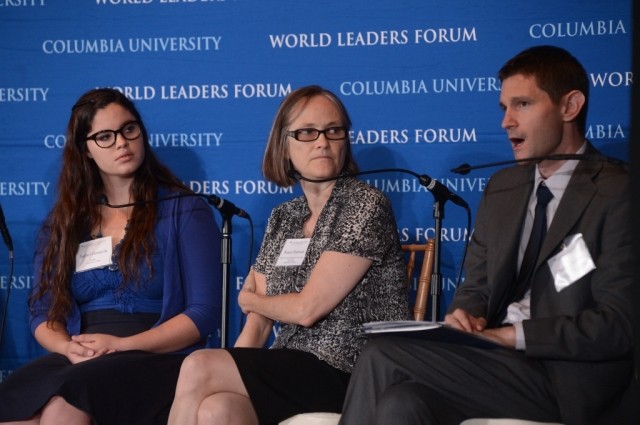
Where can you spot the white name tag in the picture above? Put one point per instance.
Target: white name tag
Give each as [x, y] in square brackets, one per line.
[93, 254]
[571, 263]
[293, 252]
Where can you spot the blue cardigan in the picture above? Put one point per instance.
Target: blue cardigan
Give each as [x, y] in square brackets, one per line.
[188, 243]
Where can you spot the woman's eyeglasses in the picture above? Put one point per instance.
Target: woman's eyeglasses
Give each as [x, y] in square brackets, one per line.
[311, 134]
[107, 138]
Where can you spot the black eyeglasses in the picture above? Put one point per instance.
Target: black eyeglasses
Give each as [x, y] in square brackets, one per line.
[311, 134]
[107, 138]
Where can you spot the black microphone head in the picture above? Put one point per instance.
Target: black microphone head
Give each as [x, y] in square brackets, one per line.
[462, 169]
[102, 199]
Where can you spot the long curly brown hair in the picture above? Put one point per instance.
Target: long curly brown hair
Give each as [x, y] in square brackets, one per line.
[77, 208]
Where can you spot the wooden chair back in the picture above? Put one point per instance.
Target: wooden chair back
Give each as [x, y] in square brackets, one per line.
[424, 276]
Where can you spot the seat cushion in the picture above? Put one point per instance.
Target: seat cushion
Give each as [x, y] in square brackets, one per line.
[487, 421]
[312, 419]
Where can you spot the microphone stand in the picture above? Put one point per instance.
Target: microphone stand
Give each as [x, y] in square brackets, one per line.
[440, 196]
[227, 211]
[225, 259]
[436, 276]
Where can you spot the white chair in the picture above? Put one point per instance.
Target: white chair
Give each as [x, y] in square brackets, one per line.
[334, 418]
[319, 418]
[483, 421]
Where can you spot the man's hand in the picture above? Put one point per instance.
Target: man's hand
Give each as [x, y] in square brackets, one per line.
[463, 321]
[504, 336]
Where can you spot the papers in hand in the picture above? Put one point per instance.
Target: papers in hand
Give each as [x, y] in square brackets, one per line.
[433, 331]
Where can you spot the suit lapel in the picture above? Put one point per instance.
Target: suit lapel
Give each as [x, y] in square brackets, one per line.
[512, 200]
[577, 196]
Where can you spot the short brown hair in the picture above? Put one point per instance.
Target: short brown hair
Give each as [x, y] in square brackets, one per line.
[276, 165]
[556, 71]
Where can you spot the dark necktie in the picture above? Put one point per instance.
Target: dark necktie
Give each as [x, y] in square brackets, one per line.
[538, 232]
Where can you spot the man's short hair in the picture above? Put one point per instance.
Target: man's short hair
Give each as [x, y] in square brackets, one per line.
[555, 70]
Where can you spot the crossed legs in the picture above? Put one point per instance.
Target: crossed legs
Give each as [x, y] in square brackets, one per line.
[408, 381]
[210, 391]
[56, 412]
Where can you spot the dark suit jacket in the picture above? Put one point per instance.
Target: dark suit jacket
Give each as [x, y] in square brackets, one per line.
[583, 334]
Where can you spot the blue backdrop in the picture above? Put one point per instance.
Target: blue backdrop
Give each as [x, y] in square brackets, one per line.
[417, 76]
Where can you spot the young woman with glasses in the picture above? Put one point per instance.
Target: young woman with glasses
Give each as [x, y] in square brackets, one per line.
[116, 287]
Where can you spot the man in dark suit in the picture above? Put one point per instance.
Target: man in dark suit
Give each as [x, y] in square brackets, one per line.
[565, 326]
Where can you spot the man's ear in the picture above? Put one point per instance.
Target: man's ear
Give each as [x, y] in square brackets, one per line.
[573, 104]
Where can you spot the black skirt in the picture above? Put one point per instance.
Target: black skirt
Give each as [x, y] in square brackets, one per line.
[282, 383]
[129, 387]
[123, 388]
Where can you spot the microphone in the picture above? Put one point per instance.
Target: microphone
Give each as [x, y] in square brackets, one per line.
[439, 191]
[466, 168]
[5, 232]
[225, 207]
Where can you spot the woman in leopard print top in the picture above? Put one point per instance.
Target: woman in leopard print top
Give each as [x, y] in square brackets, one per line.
[329, 262]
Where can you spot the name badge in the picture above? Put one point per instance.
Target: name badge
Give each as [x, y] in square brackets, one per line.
[93, 254]
[571, 263]
[293, 252]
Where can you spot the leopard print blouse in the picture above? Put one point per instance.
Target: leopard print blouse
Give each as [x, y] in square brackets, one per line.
[358, 220]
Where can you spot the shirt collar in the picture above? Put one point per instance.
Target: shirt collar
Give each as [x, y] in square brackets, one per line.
[559, 180]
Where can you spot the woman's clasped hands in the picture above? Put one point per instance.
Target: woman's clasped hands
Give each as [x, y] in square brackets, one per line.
[85, 347]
